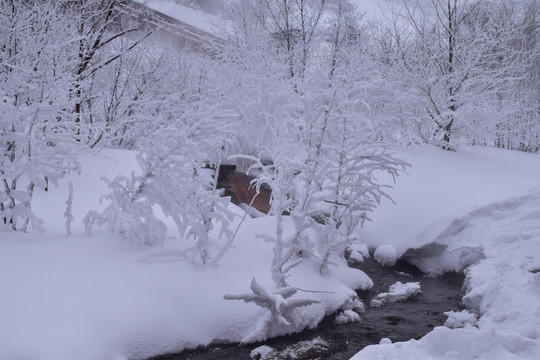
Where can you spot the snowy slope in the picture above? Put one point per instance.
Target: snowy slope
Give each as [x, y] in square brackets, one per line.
[98, 297]
[442, 185]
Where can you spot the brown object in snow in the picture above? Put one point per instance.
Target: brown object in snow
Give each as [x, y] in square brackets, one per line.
[238, 186]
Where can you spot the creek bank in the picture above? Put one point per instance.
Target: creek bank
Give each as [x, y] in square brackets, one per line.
[397, 321]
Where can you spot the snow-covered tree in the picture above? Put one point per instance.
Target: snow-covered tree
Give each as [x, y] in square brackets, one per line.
[99, 30]
[453, 55]
[520, 129]
[51, 54]
[324, 127]
[174, 178]
[36, 124]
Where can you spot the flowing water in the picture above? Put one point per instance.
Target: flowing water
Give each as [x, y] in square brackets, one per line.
[398, 321]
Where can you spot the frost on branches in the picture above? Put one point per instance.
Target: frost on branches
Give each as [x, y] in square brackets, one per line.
[175, 179]
[36, 142]
[326, 154]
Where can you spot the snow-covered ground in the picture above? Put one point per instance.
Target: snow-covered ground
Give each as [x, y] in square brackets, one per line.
[98, 297]
[497, 244]
[443, 185]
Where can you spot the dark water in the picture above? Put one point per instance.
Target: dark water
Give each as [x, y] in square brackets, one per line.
[398, 321]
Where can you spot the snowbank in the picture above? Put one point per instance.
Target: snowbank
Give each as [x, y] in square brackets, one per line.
[442, 185]
[98, 297]
[498, 246]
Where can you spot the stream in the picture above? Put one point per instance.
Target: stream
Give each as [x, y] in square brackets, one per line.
[399, 321]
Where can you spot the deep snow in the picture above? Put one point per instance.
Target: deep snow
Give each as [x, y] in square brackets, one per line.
[98, 297]
[497, 245]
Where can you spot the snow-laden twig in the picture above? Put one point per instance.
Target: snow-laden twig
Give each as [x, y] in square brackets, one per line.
[68, 213]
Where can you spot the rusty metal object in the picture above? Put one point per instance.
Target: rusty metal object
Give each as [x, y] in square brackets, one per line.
[239, 187]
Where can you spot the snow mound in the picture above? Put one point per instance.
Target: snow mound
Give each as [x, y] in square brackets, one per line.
[386, 255]
[460, 319]
[397, 292]
[358, 252]
[442, 185]
[347, 316]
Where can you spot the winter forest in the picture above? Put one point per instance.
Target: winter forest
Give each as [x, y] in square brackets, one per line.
[407, 136]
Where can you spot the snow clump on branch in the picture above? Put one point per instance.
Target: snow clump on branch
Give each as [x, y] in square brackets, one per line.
[279, 305]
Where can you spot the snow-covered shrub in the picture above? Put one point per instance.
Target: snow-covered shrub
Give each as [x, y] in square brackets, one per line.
[175, 179]
[324, 155]
[279, 176]
[129, 212]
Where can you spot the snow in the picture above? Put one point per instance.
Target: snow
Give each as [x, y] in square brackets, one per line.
[397, 292]
[442, 185]
[346, 317]
[386, 255]
[493, 235]
[98, 297]
[358, 252]
[194, 17]
[262, 352]
[301, 350]
[460, 319]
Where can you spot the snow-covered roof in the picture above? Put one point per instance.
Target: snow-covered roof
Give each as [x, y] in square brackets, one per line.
[185, 14]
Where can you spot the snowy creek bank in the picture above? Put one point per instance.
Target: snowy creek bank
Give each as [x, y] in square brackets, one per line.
[397, 321]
